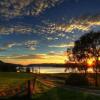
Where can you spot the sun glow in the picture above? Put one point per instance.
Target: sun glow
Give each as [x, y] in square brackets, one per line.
[41, 58]
[90, 70]
[90, 62]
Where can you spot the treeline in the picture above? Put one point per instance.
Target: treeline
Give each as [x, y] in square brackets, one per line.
[8, 67]
[46, 65]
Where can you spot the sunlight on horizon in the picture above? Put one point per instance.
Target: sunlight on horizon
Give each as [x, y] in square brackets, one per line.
[90, 70]
[90, 62]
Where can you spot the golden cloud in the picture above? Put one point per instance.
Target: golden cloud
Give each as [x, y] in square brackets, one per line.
[51, 57]
[79, 24]
[71, 44]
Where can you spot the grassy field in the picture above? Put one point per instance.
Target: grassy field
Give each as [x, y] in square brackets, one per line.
[59, 93]
[63, 76]
[11, 78]
[42, 91]
[16, 75]
[10, 81]
[62, 94]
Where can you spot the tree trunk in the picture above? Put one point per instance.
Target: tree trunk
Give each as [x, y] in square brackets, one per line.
[85, 72]
[96, 74]
[96, 78]
[30, 89]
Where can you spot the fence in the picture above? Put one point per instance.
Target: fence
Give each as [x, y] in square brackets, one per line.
[26, 89]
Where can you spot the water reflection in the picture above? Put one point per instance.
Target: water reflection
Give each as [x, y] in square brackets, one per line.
[41, 69]
[48, 70]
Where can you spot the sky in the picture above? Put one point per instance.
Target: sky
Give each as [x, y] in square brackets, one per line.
[40, 31]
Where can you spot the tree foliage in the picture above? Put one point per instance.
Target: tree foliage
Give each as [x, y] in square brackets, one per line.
[87, 46]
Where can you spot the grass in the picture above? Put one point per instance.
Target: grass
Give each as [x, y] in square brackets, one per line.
[62, 94]
[43, 92]
[12, 80]
[56, 93]
[15, 75]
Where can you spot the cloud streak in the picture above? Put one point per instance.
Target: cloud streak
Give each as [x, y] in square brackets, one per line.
[30, 44]
[71, 44]
[4, 30]
[35, 58]
[46, 28]
[85, 24]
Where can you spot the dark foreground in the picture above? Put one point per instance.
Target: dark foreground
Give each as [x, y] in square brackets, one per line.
[46, 87]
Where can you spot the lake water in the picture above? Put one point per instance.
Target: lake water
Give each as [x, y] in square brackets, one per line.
[48, 69]
[45, 69]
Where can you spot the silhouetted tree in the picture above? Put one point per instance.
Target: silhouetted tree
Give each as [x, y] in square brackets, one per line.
[73, 63]
[88, 46]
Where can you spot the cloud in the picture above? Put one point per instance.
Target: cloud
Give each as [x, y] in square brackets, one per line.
[49, 38]
[32, 48]
[27, 56]
[71, 44]
[54, 30]
[30, 44]
[33, 56]
[51, 57]
[61, 35]
[4, 30]
[6, 46]
[2, 49]
[10, 45]
[81, 24]
[52, 38]
[13, 8]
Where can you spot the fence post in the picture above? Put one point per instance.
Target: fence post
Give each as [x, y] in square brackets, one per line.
[34, 82]
[31, 88]
[30, 92]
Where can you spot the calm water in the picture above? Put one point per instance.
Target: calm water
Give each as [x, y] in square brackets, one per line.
[48, 69]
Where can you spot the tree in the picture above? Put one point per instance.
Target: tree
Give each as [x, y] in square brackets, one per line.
[70, 59]
[75, 79]
[88, 46]
[73, 63]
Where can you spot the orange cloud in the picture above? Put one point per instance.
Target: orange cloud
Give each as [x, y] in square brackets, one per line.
[36, 59]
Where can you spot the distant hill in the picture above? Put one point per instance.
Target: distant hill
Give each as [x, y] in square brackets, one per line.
[46, 65]
[8, 67]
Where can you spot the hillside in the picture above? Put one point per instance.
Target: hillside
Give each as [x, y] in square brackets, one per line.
[8, 67]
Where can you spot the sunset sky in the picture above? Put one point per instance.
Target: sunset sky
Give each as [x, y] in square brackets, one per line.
[40, 31]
